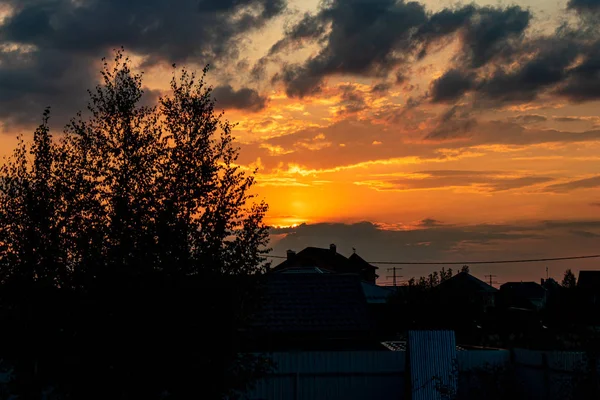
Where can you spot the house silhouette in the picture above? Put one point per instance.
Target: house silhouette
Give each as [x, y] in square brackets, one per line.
[322, 260]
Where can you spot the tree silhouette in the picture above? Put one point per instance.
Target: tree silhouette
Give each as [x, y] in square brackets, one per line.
[445, 274]
[569, 281]
[129, 248]
[432, 280]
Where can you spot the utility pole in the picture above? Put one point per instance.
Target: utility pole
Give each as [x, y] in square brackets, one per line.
[394, 276]
[491, 279]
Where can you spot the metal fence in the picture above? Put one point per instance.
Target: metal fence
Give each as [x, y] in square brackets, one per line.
[549, 375]
[358, 375]
[433, 364]
[352, 375]
[334, 375]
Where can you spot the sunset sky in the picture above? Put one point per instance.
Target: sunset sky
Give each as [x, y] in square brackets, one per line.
[412, 131]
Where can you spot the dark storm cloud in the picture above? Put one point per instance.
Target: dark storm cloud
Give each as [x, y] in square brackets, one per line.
[307, 29]
[546, 69]
[584, 5]
[392, 34]
[486, 33]
[373, 38]
[489, 34]
[583, 81]
[298, 82]
[566, 64]
[451, 86]
[366, 38]
[32, 81]
[442, 24]
[173, 30]
[60, 42]
[241, 99]
[587, 183]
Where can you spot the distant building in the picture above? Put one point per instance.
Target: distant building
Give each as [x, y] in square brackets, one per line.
[550, 284]
[465, 288]
[311, 311]
[328, 261]
[527, 295]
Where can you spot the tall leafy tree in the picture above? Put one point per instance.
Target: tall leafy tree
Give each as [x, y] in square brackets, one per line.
[141, 227]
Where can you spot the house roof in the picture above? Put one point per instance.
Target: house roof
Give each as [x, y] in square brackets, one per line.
[463, 281]
[525, 289]
[551, 284]
[303, 270]
[589, 280]
[325, 259]
[297, 303]
[360, 262]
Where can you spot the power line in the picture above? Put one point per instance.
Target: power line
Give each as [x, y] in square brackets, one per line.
[474, 262]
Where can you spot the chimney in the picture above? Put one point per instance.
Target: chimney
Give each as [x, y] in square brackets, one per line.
[290, 254]
[332, 248]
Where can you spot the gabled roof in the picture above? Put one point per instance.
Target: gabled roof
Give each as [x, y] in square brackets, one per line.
[360, 262]
[463, 281]
[524, 289]
[589, 280]
[315, 257]
[303, 303]
[325, 259]
[303, 270]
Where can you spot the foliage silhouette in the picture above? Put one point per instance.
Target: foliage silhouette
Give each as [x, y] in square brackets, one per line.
[569, 281]
[129, 249]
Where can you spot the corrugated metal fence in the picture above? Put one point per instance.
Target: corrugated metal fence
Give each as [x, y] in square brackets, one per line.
[334, 375]
[358, 375]
[351, 375]
[433, 364]
[549, 375]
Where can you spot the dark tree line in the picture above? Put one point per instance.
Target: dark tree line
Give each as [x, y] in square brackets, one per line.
[434, 278]
[128, 248]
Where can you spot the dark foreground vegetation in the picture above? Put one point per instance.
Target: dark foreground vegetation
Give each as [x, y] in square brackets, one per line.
[128, 248]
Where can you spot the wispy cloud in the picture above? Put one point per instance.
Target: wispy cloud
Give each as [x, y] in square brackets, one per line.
[585, 183]
[476, 181]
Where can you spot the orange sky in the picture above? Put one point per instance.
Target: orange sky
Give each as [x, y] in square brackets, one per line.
[523, 173]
